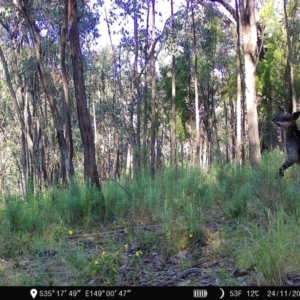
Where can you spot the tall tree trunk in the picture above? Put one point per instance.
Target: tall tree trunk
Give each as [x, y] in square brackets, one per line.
[247, 8]
[238, 149]
[249, 33]
[87, 136]
[197, 117]
[66, 99]
[290, 94]
[153, 96]
[145, 95]
[136, 92]
[173, 114]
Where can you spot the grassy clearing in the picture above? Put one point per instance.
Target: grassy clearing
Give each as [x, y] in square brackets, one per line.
[230, 225]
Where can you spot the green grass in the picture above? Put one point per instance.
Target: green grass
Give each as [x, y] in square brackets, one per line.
[143, 231]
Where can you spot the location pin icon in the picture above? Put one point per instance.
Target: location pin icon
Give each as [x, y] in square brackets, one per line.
[33, 293]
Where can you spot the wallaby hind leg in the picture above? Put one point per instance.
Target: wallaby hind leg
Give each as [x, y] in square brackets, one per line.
[288, 163]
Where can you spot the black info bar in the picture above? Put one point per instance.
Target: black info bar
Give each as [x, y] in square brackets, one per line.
[150, 292]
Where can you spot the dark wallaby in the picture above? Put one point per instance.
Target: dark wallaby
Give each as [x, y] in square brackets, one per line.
[292, 139]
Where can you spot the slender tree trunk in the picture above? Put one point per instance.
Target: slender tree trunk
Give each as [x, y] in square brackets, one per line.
[159, 143]
[216, 134]
[153, 96]
[66, 99]
[226, 126]
[115, 170]
[197, 117]
[173, 114]
[244, 123]
[204, 152]
[233, 129]
[87, 136]
[145, 96]
[291, 98]
[239, 88]
[247, 8]
[136, 92]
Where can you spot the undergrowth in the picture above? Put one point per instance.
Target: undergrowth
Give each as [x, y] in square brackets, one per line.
[116, 232]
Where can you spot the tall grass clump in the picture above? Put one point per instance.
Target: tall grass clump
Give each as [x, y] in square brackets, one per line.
[246, 192]
[21, 220]
[272, 252]
[117, 200]
[275, 193]
[45, 215]
[231, 189]
[83, 208]
[174, 199]
[183, 196]
[25, 215]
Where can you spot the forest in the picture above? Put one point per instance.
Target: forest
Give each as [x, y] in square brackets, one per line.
[137, 146]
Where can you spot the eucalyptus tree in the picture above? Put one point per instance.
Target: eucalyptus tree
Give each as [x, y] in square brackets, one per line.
[197, 114]
[247, 8]
[249, 32]
[128, 74]
[26, 9]
[141, 46]
[213, 48]
[32, 28]
[136, 78]
[238, 147]
[153, 93]
[127, 126]
[144, 54]
[63, 34]
[106, 112]
[87, 136]
[20, 74]
[290, 91]
[19, 107]
[173, 118]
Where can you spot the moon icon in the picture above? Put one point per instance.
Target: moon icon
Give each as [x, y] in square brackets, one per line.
[222, 293]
